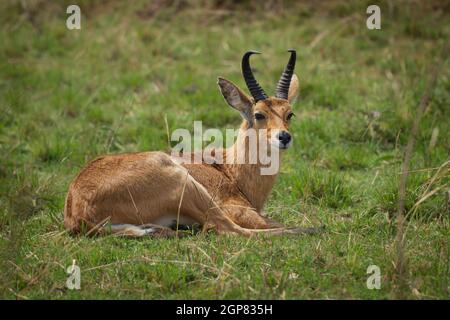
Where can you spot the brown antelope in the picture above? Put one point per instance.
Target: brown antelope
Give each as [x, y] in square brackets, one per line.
[143, 193]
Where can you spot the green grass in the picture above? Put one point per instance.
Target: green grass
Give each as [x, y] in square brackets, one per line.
[68, 96]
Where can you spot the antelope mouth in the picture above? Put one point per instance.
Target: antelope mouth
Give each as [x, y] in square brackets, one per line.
[281, 146]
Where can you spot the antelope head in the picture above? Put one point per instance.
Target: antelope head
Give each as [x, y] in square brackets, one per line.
[260, 111]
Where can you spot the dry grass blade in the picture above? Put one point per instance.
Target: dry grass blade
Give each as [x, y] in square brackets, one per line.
[181, 200]
[400, 263]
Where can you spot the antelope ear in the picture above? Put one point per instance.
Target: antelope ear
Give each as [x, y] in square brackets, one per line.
[293, 89]
[237, 99]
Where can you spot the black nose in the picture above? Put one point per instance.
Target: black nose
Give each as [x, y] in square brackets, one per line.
[284, 137]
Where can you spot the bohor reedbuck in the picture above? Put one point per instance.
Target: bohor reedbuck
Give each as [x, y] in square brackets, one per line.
[154, 194]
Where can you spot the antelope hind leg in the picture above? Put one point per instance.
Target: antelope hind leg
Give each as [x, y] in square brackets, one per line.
[284, 231]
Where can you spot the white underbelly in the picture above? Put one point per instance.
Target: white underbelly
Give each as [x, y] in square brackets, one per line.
[171, 220]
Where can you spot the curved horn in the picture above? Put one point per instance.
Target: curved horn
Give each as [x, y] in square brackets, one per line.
[252, 85]
[285, 80]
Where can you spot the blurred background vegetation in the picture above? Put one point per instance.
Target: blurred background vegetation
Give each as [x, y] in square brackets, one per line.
[67, 96]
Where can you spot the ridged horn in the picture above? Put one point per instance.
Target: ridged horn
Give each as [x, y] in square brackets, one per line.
[282, 90]
[253, 86]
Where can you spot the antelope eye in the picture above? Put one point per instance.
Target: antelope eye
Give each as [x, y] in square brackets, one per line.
[290, 115]
[259, 116]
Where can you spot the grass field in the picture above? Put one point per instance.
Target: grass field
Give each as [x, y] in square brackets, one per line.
[69, 96]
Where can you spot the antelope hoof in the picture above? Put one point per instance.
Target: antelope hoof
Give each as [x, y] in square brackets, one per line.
[310, 230]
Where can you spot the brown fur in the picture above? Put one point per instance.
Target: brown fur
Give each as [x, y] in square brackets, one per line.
[140, 188]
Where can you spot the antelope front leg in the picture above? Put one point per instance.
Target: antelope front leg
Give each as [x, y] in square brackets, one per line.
[248, 218]
[245, 216]
[272, 223]
[199, 205]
